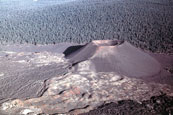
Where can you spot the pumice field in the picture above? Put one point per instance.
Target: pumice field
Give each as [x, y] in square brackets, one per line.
[86, 57]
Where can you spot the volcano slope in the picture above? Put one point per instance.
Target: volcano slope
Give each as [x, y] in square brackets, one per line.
[74, 79]
[125, 59]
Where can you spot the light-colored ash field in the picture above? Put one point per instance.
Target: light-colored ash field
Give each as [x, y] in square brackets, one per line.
[86, 57]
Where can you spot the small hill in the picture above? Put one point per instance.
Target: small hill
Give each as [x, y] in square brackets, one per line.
[116, 56]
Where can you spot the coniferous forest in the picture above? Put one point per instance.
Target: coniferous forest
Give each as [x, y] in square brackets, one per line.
[145, 23]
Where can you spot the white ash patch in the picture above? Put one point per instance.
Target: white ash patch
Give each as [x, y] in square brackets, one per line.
[9, 52]
[10, 105]
[26, 111]
[85, 66]
[39, 59]
[16, 105]
[21, 61]
[1, 74]
[32, 111]
[46, 59]
[6, 106]
[115, 78]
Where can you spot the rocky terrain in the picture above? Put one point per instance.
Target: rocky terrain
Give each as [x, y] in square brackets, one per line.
[157, 105]
[88, 57]
[75, 79]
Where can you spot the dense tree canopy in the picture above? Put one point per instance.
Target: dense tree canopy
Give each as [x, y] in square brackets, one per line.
[146, 24]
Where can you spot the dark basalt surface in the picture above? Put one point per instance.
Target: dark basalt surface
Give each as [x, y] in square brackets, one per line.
[157, 105]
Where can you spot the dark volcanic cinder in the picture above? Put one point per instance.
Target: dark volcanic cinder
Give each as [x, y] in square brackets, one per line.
[157, 105]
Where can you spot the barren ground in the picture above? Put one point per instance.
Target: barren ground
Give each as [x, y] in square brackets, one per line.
[41, 79]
